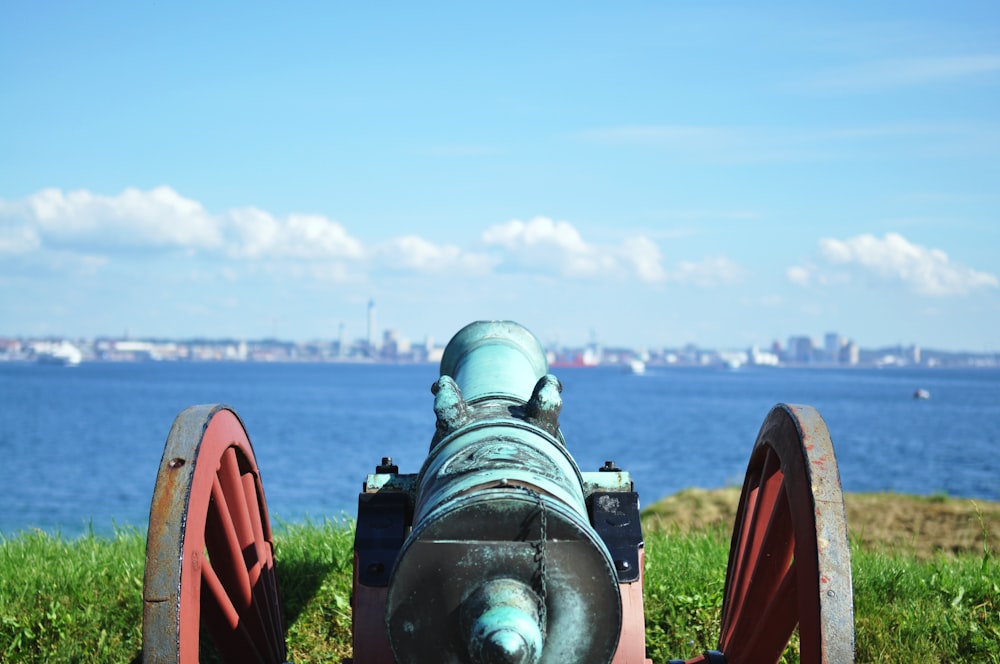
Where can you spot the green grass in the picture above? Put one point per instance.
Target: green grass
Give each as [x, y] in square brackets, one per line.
[81, 600]
[71, 600]
[315, 567]
[946, 609]
[682, 592]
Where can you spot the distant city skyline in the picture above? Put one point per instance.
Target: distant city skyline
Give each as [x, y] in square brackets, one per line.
[831, 346]
[653, 175]
[834, 351]
[367, 331]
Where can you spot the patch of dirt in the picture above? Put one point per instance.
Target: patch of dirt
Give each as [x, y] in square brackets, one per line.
[923, 526]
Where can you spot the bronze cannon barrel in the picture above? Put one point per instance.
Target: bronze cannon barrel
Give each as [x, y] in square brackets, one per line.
[502, 565]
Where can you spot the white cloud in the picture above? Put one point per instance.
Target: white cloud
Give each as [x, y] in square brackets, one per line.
[163, 219]
[80, 223]
[552, 247]
[644, 257]
[414, 253]
[548, 247]
[258, 234]
[258, 231]
[798, 275]
[540, 232]
[18, 239]
[158, 217]
[926, 271]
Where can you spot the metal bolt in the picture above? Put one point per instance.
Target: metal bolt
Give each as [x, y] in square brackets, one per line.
[386, 467]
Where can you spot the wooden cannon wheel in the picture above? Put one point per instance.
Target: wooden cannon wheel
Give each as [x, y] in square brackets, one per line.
[789, 561]
[209, 552]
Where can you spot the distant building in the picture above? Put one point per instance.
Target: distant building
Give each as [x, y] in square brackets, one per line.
[851, 353]
[10, 347]
[832, 345]
[394, 346]
[370, 349]
[758, 357]
[801, 350]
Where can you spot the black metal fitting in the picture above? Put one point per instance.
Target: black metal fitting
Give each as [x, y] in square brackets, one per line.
[379, 535]
[387, 467]
[615, 517]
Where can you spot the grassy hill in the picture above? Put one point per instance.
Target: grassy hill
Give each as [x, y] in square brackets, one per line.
[918, 525]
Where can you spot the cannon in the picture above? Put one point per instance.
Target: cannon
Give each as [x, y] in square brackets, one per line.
[499, 550]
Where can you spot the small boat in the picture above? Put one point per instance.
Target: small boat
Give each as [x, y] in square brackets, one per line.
[921, 394]
[636, 367]
[62, 354]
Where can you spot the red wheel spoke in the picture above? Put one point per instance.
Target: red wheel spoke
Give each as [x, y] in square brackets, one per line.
[218, 594]
[770, 565]
[224, 548]
[774, 551]
[262, 573]
[230, 539]
[232, 485]
[261, 557]
[751, 551]
[771, 491]
[230, 634]
[741, 537]
[778, 620]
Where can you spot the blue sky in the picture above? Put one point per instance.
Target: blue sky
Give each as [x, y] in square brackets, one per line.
[650, 174]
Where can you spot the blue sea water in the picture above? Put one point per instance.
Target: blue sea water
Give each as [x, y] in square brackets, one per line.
[80, 446]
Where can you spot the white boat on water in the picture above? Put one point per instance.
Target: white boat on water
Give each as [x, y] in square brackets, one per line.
[636, 367]
[921, 394]
[62, 353]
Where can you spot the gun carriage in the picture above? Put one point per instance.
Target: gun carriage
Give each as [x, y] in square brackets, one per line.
[500, 550]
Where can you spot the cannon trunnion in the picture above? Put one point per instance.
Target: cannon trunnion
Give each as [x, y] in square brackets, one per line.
[499, 550]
